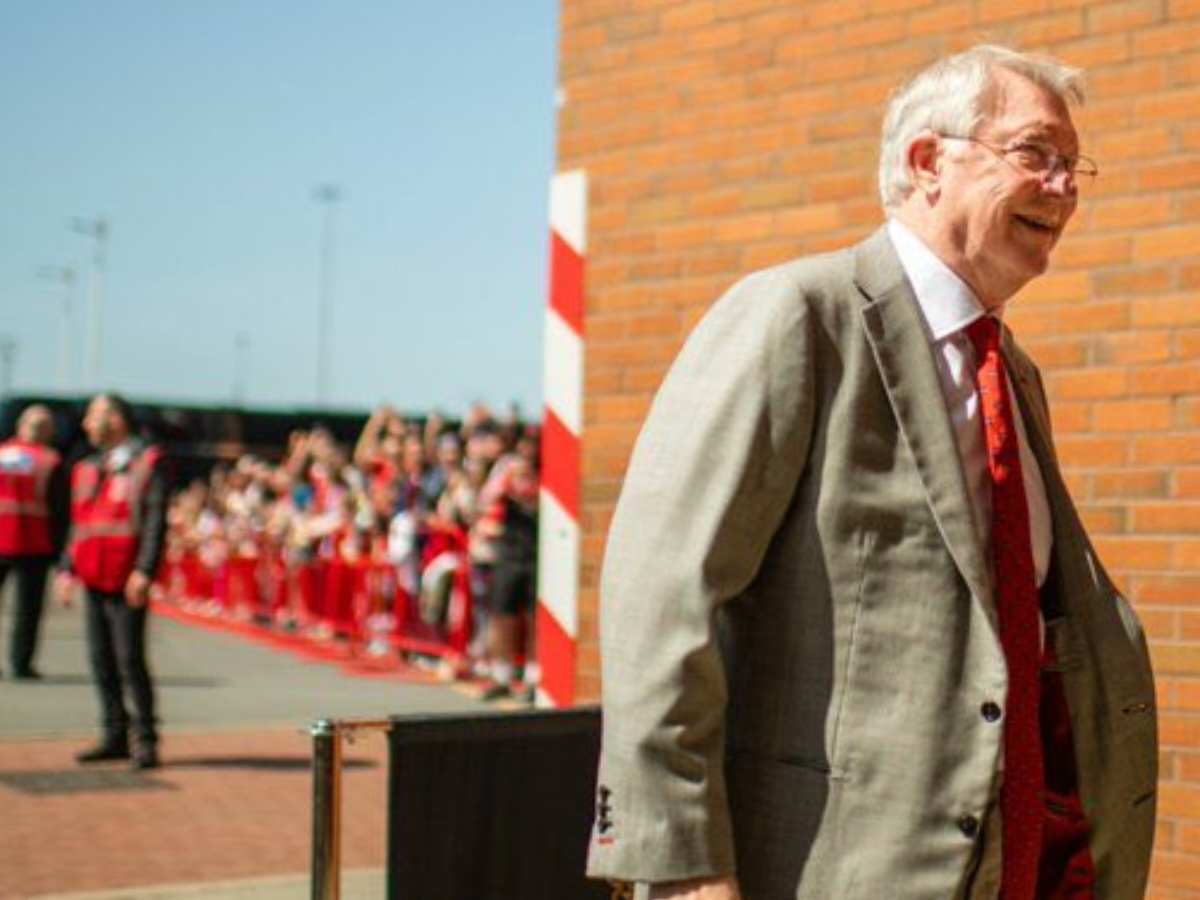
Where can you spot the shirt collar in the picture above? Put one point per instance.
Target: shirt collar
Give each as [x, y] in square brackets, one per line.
[946, 302]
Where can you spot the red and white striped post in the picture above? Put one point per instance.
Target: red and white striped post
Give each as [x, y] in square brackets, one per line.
[559, 537]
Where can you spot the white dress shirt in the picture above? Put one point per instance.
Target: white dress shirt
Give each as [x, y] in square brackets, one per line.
[949, 306]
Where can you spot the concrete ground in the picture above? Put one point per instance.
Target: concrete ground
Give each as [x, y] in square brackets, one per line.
[228, 814]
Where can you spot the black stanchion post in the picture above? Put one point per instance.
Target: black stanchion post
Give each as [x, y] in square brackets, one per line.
[327, 806]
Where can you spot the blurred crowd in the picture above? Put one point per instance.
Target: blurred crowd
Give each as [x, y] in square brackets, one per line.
[421, 535]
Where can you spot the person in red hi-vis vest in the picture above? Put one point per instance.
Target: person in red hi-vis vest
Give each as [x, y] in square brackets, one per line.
[118, 525]
[33, 516]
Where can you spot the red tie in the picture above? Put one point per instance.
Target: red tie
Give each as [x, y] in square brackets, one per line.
[1017, 609]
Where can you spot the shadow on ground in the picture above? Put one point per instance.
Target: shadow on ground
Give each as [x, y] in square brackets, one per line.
[258, 763]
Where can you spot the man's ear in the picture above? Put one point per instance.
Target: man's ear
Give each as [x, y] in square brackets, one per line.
[924, 163]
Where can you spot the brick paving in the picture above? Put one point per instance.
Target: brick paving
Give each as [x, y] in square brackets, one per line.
[224, 806]
[229, 813]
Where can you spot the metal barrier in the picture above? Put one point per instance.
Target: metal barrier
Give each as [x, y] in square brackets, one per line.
[494, 805]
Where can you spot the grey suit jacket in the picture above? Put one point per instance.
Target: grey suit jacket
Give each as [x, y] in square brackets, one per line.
[798, 627]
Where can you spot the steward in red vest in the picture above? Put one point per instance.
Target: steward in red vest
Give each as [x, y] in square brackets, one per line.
[32, 523]
[107, 495]
[26, 523]
[118, 526]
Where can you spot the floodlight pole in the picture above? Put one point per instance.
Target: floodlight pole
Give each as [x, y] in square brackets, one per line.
[64, 275]
[328, 196]
[98, 230]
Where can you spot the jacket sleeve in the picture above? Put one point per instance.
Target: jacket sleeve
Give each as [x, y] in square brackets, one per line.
[58, 498]
[711, 475]
[153, 526]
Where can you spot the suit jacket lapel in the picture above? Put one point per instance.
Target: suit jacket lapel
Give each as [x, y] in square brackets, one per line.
[898, 338]
[1067, 530]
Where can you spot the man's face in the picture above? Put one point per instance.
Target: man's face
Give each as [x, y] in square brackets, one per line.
[1002, 220]
[101, 423]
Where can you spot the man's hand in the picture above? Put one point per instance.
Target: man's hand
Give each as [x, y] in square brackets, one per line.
[137, 589]
[65, 588]
[698, 889]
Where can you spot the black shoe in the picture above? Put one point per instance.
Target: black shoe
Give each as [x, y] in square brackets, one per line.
[144, 758]
[105, 751]
[495, 692]
[27, 675]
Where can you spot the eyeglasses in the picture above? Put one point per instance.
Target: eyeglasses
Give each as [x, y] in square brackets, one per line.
[1040, 159]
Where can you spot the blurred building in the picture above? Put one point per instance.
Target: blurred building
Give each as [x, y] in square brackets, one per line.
[720, 136]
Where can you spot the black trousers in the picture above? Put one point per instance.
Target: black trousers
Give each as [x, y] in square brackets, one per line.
[116, 634]
[30, 572]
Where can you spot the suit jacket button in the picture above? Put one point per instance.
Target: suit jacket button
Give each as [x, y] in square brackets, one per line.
[991, 712]
[969, 826]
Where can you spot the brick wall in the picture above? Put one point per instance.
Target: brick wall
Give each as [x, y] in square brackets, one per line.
[720, 136]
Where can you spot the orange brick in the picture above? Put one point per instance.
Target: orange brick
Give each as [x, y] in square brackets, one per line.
[808, 219]
[1133, 347]
[1179, 659]
[1130, 483]
[1186, 483]
[1049, 29]
[1167, 243]
[769, 194]
[1166, 39]
[1168, 105]
[1055, 287]
[1174, 869]
[1134, 553]
[1133, 415]
[943, 18]
[1089, 318]
[1131, 144]
[1090, 251]
[743, 228]
[1166, 449]
[990, 11]
[1070, 418]
[1132, 212]
[1139, 280]
[1175, 590]
[688, 15]
[1172, 174]
[1091, 452]
[1187, 554]
[1124, 16]
[1057, 353]
[1090, 383]
[1176, 379]
[1166, 309]
[715, 203]
[833, 12]
[1160, 624]
[873, 31]
[1166, 518]
[1090, 52]
[1103, 519]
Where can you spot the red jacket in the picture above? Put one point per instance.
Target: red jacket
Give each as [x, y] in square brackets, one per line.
[106, 511]
[26, 521]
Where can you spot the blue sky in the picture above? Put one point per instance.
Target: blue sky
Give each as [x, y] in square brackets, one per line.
[200, 130]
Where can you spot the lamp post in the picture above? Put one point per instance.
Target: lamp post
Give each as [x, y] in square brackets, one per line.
[241, 368]
[328, 196]
[64, 275]
[98, 230]
[8, 356]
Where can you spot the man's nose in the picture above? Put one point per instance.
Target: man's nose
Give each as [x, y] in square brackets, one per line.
[1060, 181]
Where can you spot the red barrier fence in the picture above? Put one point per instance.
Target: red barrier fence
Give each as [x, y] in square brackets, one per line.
[363, 601]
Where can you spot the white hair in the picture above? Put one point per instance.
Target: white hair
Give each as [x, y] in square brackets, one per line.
[950, 97]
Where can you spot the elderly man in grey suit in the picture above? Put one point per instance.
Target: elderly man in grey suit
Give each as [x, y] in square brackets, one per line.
[855, 641]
